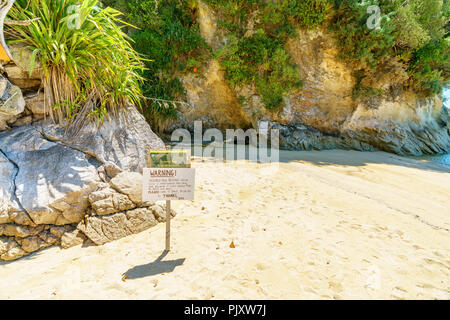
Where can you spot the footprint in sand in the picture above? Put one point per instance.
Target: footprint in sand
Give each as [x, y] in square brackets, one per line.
[310, 290]
[435, 262]
[399, 293]
[260, 266]
[426, 286]
[438, 254]
[335, 286]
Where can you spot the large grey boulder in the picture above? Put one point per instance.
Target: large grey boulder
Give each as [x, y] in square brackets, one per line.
[57, 189]
[123, 139]
[52, 180]
[7, 175]
[12, 103]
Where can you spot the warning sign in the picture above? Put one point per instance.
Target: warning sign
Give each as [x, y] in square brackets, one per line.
[168, 184]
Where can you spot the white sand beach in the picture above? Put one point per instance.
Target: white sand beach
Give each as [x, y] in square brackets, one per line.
[325, 225]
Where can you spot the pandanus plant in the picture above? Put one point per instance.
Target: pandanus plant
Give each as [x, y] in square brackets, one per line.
[89, 68]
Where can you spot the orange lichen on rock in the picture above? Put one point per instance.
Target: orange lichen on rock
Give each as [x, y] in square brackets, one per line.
[3, 56]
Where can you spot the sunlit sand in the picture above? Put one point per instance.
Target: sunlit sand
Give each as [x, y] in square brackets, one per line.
[323, 225]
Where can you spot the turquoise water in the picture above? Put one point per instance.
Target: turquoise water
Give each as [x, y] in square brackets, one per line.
[446, 96]
[442, 160]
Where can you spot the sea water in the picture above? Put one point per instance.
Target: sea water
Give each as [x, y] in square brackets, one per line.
[443, 160]
[446, 96]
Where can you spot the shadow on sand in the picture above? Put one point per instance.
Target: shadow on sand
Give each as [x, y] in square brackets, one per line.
[153, 268]
[349, 158]
[342, 158]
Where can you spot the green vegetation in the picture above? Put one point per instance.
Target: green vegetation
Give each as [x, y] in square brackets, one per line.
[413, 38]
[262, 61]
[412, 32]
[258, 57]
[169, 35]
[89, 67]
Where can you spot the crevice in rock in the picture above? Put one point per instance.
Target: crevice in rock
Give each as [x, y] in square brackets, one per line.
[16, 198]
[64, 143]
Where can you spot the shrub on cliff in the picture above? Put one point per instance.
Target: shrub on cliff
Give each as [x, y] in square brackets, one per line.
[412, 32]
[169, 35]
[89, 66]
[410, 43]
[258, 57]
[260, 60]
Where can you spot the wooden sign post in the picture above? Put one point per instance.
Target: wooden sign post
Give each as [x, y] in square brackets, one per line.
[168, 225]
[168, 177]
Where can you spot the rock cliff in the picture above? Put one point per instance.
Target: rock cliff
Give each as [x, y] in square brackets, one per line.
[324, 114]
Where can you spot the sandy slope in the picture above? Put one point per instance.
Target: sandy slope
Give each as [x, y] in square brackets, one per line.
[324, 225]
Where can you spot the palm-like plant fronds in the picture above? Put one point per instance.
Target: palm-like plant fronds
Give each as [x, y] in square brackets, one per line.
[85, 56]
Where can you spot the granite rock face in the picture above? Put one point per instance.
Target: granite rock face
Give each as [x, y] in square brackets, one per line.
[46, 187]
[60, 191]
[122, 140]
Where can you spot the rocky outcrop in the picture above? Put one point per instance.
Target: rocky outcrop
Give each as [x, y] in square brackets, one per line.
[324, 114]
[103, 229]
[45, 185]
[213, 101]
[18, 70]
[60, 190]
[123, 140]
[59, 187]
[95, 212]
[429, 135]
[12, 103]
